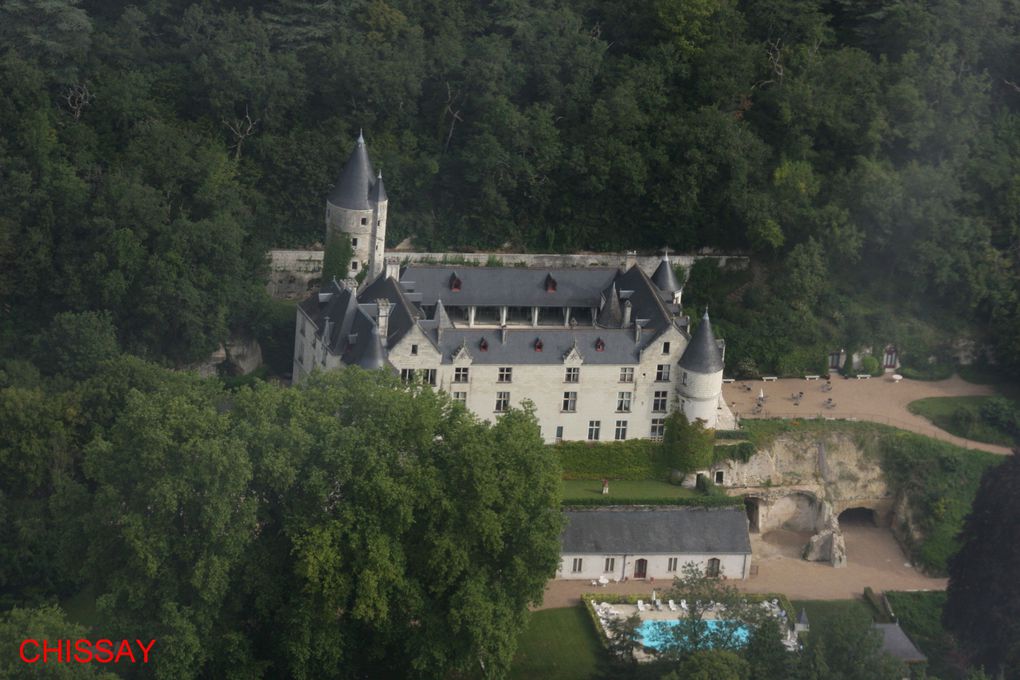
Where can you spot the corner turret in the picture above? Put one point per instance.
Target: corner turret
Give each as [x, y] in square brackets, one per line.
[701, 372]
[356, 208]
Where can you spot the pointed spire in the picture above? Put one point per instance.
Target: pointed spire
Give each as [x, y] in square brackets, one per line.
[361, 137]
[379, 191]
[702, 354]
[440, 316]
[355, 183]
[664, 277]
[610, 315]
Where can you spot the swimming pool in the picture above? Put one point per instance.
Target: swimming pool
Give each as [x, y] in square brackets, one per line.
[653, 636]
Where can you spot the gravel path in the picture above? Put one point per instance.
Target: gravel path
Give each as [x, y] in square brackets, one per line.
[876, 399]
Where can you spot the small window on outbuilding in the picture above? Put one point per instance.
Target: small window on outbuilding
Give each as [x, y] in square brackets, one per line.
[718, 476]
[354, 266]
[364, 220]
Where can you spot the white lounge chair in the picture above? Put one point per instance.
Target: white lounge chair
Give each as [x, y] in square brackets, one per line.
[640, 605]
[683, 605]
[658, 604]
[672, 606]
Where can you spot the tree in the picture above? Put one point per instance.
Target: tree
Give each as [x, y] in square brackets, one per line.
[624, 637]
[847, 647]
[765, 653]
[983, 602]
[687, 446]
[336, 261]
[76, 343]
[711, 664]
[43, 623]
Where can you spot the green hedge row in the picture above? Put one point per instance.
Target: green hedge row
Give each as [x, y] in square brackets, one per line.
[731, 434]
[712, 501]
[631, 460]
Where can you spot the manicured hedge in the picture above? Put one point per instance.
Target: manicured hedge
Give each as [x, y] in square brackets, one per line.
[707, 501]
[731, 434]
[633, 460]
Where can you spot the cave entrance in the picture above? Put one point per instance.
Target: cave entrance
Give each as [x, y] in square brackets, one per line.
[751, 505]
[861, 517]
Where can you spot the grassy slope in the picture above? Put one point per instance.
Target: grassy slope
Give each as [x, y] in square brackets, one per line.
[559, 644]
[822, 611]
[586, 488]
[944, 412]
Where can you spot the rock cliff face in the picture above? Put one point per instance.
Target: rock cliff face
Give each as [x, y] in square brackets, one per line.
[804, 481]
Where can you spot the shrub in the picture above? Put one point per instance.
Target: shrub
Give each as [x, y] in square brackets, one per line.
[731, 434]
[633, 460]
[871, 366]
[930, 372]
[1003, 414]
[741, 452]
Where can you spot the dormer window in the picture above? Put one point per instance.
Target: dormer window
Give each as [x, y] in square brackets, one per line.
[454, 282]
[538, 344]
[550, 284]
[600, 345]
[483, 345]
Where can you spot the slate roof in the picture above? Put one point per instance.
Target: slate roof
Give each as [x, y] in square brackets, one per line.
[354, 187]
[519, 348]
[702, 354]
[665, 276]
[666, 530]
[896, 643]
[513, 286]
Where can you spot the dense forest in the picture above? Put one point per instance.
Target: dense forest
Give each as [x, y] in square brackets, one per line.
[867, 152]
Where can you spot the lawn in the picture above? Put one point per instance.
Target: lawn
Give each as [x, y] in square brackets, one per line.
[559, 644]
[574, 489]
[962, 416]
[821, 611]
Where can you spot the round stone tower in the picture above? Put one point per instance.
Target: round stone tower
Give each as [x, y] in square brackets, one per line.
[701, 369]
[356, 208]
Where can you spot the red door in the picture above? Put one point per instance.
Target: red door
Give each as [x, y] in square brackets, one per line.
[640, 568]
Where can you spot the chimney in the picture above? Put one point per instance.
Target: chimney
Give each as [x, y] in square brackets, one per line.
[631, 259]
[637, 331]
[392, 268]
[383, 320]
[325, 331]
[626, 313]
[502, 334]
[678, 296]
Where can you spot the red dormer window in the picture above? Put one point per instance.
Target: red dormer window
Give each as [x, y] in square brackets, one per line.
[538, 344]
[454, 282]
[483, 345]
[550, 284]
[600, 345]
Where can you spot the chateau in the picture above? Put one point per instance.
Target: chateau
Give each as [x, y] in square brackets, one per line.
[603, 353]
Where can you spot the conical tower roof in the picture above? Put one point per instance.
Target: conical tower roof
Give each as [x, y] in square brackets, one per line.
[379, 190]
[440, 316]
[353, 188]
[664, 277]
[702, 355]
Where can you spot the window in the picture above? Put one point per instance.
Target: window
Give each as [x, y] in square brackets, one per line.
[683, 378]
[354, 265]
[658, 428]
[428, 376]
[414, 350]
[506, 374]
[302, 327]
[627, 375]
[594, 427]
[662, 373]
[502, 402]
[559, 433]
[460, 397]
[659, 402]
[354, 243]
[718, 476]
[378, 223]
[573, 375]
[610, 565]
[665, 348]
[671, 563]
[623, 402]
[406, 374]
[621, 430]
[460, 375]
[364, 220]
[713, 568]
[576, 566]
[570, 401]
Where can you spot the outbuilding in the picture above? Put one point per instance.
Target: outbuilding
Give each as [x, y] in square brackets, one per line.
[618, 543]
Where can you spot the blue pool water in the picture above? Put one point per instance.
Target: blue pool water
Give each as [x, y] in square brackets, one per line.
[652, 634]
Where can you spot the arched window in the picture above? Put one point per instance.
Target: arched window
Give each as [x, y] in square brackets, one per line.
[712, 570]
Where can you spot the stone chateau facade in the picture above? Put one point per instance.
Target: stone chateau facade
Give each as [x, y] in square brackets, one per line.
[603, 353]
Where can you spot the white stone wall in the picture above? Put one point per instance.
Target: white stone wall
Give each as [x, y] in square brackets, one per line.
[700, 396]
[346, 221]
[377, 258]
[544, 385]
[732, 566]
